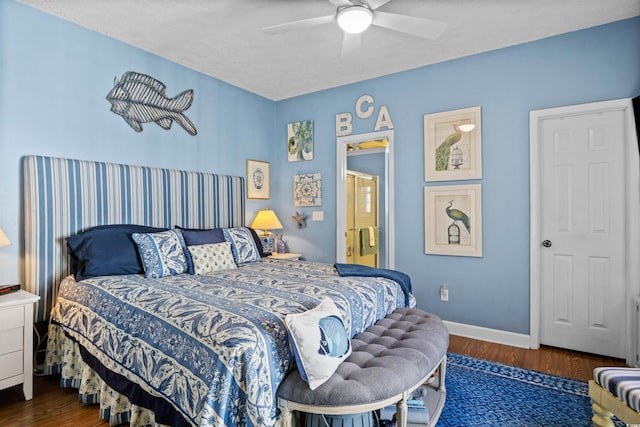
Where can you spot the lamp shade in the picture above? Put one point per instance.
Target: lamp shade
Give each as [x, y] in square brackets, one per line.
[266, 220]
[4, 240]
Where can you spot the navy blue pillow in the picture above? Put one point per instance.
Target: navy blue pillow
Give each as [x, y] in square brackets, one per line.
[106, 250]
[195, 236]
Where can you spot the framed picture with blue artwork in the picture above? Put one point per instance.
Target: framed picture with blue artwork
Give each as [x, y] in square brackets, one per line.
[258, 179]
[307, 190]
[453, 220]
[300, 141]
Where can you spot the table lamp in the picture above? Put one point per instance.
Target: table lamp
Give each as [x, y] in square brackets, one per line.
[4, 240]
[266, 220]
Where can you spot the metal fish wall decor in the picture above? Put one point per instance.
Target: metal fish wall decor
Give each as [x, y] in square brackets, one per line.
[139, 98]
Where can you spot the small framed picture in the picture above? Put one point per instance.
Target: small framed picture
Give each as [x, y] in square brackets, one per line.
[258, 179]
[453, 220]
[300, 141]
[307, 190]
[453, 145]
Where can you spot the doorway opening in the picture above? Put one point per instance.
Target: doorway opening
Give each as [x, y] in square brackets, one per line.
[363, 233]
[370, 154]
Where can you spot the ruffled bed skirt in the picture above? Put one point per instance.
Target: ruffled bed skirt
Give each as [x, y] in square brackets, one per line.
[63, 357]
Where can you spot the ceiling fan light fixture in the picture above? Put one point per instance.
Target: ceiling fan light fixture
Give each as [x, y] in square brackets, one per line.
[355, 19]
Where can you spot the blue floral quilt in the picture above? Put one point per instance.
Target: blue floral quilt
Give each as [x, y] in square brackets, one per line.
[214, 346]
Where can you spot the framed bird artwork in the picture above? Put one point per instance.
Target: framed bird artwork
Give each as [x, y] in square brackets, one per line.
[453, 145]
[453, 220]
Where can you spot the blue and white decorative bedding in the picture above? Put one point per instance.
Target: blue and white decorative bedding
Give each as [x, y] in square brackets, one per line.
[214, 346]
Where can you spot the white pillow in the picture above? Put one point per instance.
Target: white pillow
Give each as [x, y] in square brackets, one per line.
[211, 257]
[320, 342]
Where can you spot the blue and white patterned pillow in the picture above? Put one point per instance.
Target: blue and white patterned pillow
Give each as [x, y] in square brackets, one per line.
[212, 257]
[243, 246]
[162, 253]
[320, 342]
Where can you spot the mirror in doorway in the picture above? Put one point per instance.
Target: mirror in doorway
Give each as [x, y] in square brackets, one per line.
[363, 231]
[364, 187]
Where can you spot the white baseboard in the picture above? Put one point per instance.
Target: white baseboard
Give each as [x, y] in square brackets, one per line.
[486, 334]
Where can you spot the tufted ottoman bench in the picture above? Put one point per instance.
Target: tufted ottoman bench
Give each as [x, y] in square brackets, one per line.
[388, 362]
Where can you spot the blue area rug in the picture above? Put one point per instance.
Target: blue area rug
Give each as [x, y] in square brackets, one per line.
[481, 393]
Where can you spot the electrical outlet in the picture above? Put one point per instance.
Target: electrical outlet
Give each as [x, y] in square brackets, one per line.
[444, 293]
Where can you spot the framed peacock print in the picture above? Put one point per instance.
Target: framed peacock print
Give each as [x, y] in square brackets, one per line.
[453, 220]
[453, 145]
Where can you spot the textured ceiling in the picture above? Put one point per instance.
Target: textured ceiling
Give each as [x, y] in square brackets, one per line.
[225, 38]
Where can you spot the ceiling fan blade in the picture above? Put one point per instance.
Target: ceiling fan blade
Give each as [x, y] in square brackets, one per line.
[419, 27]
[298, 25]
[374, 4]
[350, 44]
[340, 3]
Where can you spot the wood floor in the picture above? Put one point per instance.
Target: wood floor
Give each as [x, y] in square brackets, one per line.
[56, 407]
[551, 360]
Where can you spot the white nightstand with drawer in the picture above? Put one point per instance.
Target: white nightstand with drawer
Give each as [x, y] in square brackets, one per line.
[288, 255]
[16, 341]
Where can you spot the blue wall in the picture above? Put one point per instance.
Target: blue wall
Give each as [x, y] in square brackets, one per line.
[54, 77]
[493, 291]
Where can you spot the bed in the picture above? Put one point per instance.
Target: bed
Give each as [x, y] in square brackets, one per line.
[181, 349]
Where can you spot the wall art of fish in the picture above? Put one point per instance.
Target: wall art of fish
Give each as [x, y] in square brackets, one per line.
[139, 98]
[334, 341]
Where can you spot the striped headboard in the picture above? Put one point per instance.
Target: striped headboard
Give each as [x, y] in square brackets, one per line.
[64, 196]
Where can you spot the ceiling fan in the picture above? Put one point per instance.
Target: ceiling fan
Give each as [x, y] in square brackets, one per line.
[355, 16]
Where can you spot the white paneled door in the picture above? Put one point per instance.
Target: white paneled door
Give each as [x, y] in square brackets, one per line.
[582, 229]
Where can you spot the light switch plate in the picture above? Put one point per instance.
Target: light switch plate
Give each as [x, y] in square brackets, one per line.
[317, 216]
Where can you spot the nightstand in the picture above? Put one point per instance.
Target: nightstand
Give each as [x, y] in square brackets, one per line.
[288, 255]
[16, 336]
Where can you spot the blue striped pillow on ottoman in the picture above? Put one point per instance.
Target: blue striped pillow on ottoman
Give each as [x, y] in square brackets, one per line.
[623, 383]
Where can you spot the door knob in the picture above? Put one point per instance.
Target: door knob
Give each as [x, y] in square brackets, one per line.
[546, 243]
